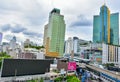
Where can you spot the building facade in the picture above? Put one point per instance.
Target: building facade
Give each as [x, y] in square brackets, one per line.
[72, 45]
[106, 27]
[45, 34]
[55, 34]
[76, 45]
[69, 46]
[114, 28]
[13, 43]
[110, 54]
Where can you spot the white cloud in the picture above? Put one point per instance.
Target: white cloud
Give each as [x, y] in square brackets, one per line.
[33, 14]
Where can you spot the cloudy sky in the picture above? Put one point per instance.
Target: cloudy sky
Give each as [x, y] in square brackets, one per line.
[26, 18]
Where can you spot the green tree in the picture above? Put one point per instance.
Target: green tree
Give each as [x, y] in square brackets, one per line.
[41, 80]
[36, 47]
[3, 55]
[72, 79]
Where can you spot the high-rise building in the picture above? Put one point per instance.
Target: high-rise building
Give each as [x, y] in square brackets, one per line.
[13, 43]
[106, 27]
[76, 46]
[69, 46]
[72, 45]
[55, 34]
[114, 28]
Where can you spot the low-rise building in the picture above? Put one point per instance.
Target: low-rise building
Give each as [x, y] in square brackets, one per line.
[31, 53]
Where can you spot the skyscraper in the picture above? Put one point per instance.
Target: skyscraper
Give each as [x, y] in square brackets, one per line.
[114, 28]
[76, 45]
[106, 27]
[55, 34]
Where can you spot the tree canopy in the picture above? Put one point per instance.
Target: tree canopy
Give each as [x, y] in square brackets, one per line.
[36, 47]
[3, 55]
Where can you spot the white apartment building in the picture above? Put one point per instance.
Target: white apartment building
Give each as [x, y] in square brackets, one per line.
[69, 46]
[110, 54]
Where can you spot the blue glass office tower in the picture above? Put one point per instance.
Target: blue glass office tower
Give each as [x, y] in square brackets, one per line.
[106, 27]
[114, 28]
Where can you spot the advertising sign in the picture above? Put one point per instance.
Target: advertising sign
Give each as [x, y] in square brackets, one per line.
[71, 66]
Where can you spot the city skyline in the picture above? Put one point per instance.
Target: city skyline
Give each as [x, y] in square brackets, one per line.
[20, 17]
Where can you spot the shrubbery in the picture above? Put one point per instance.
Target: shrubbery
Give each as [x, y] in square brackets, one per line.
[36, 80]
[72, 79]
[3, 55]
[68, 79]
[59, 79]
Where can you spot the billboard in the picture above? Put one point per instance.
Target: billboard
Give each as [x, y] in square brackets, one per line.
[71, 66]
[20, 67]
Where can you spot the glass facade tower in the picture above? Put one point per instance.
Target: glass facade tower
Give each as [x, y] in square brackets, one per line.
[104, 24]
[56, 34]
[106, 27]
[114, 28]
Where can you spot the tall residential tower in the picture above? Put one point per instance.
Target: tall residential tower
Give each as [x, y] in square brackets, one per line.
[106, 27]
[55, 34]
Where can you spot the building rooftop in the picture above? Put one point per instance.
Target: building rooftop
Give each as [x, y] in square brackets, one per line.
[55, 10]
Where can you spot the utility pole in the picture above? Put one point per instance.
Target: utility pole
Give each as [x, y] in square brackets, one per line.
[14, 78]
